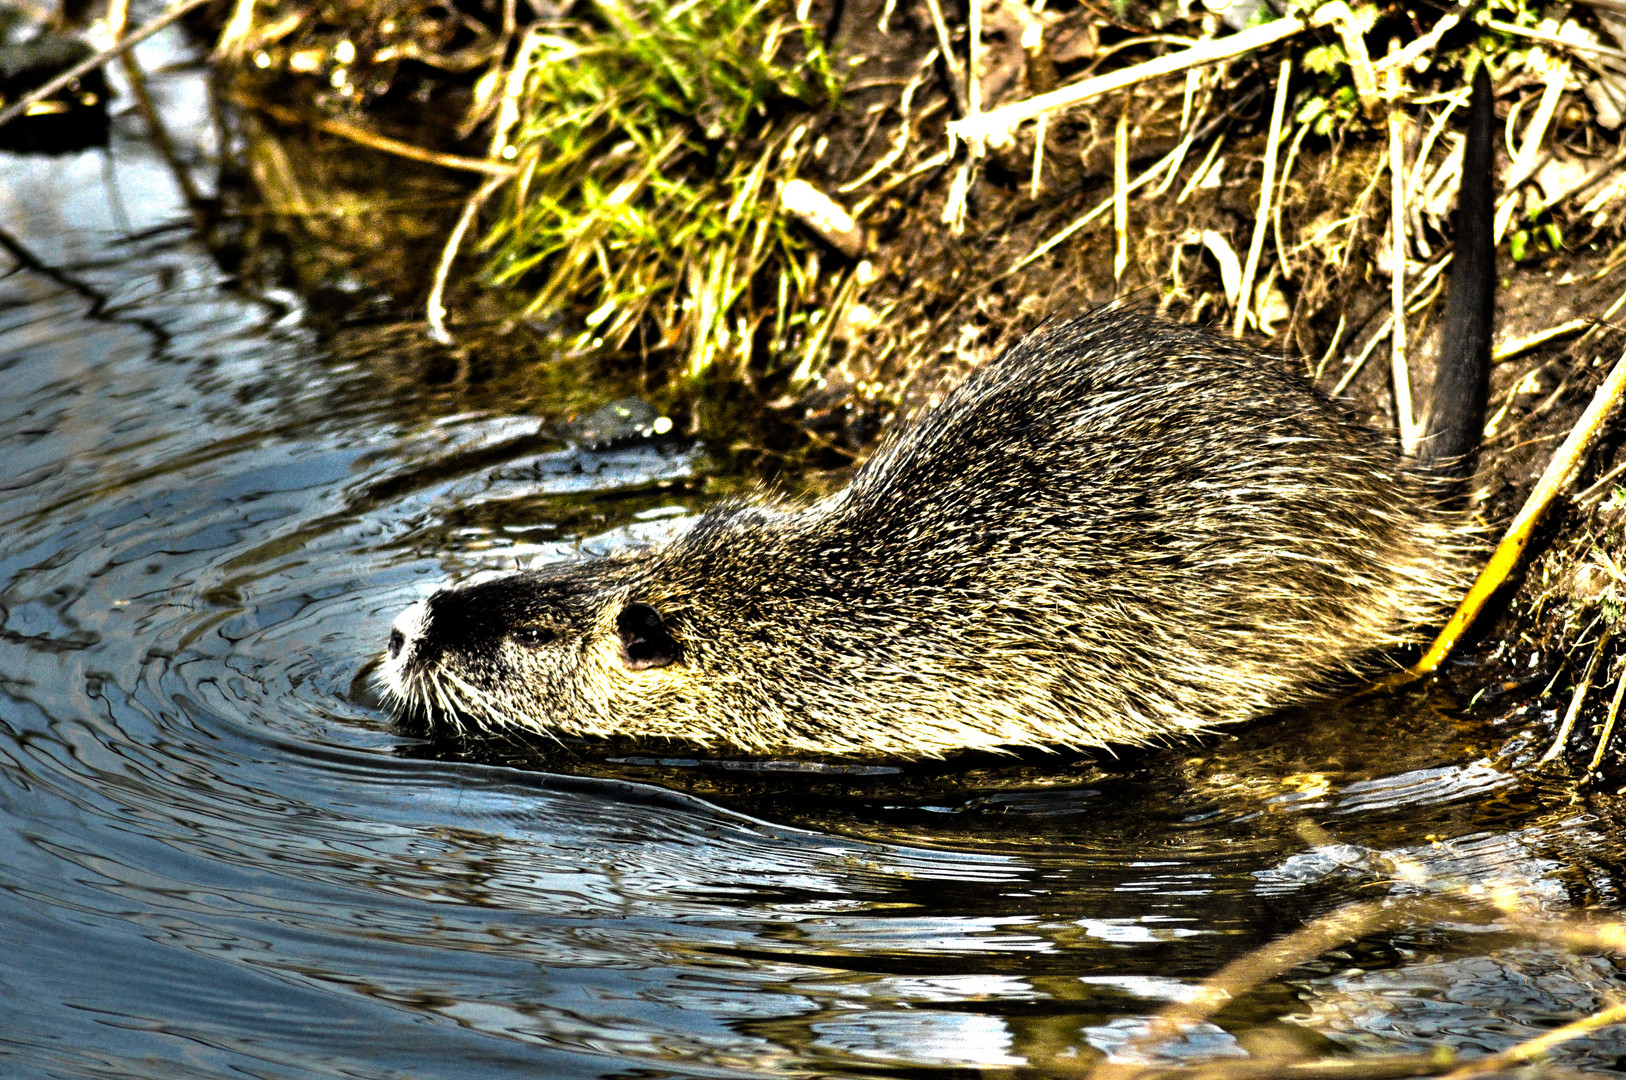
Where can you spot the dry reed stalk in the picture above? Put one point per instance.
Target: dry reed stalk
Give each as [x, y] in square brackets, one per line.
[1405, 418]
[91, 63]
[435, 307]
[1554, 39]
[1048, 245]
[905, 128]
[1608, 731]
[233, 40]
[1120, 193]
[1577, 699]
[1041, 130]
[1520, 346]
[1281, 183]
[1535, 133]
[1557, 475]
[382, 143]
[994, 127]
[1262, 219]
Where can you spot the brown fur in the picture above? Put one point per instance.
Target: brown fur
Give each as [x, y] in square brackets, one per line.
[1119, 530]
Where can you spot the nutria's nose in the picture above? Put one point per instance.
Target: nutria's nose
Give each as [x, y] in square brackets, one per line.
[397, 639]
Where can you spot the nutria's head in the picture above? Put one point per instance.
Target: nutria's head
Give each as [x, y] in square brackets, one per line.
[689, 641]
[558, 650]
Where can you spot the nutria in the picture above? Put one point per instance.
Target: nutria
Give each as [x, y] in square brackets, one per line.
[1119, 530]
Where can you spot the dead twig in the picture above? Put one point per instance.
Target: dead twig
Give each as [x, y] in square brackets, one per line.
[1508, 553]
[1405, 419]
[1426, 42]
[1577, 699]
[1140, 181]
[905, 128]
[382, 143]
[91, 63]
[1531, 1049]
[1608, 731]
[435, 307]
[995, 126]
[950, 61]
[1330, 931]
[1267, 190]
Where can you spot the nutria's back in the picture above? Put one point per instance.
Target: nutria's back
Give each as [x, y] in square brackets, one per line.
[1119, 530]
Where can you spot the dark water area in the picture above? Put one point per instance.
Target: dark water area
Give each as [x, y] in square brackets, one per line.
[219, 858]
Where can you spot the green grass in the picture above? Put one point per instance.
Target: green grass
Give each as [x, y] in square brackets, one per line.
[651, 141]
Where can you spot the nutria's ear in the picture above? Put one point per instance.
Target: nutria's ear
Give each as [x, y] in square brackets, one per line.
[644, 640]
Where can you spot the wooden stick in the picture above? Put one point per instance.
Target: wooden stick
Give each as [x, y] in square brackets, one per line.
[377, 142]
[435, 307]
[1507, 554]
[1577, 699]
[118, 48]
[1120, 193]
[1405, 420]
[1267, 191]
[995, 126]
[1531, 1049]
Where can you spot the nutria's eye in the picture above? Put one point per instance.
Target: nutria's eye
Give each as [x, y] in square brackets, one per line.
[645, 642]
[533, 637]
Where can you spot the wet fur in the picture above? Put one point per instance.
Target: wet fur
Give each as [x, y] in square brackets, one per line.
[1120, 530]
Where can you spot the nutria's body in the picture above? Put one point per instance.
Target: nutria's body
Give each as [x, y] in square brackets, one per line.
[1119, 530]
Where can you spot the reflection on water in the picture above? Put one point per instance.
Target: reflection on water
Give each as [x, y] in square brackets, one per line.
[216, 859]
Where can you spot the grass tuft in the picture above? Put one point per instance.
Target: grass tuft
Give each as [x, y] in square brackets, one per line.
[651, 141]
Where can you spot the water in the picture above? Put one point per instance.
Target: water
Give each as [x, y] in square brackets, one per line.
[217, 857]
